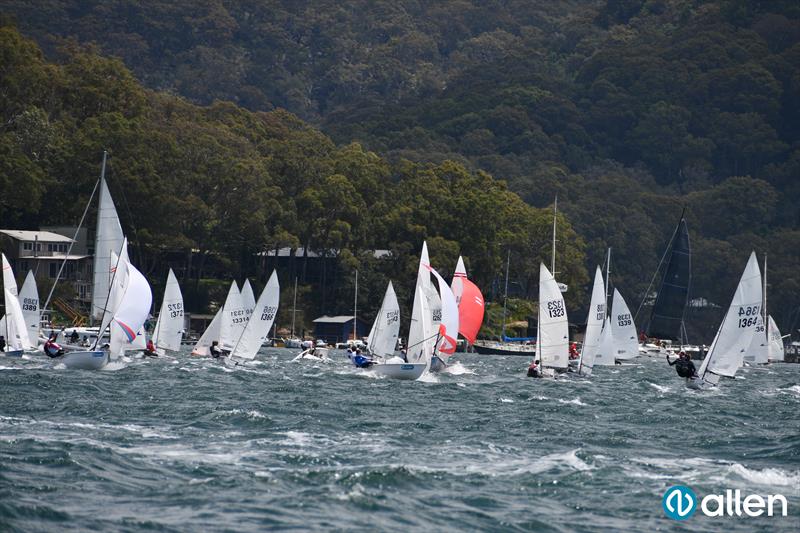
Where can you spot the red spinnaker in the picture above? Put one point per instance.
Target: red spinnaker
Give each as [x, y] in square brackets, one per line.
[470, 311]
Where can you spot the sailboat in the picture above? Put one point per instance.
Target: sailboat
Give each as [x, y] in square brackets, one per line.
[256, 330]
[222, 327]
[506, 346]
[666, 320]
[736, 331]
[168, 332]
[594, 324]
[775, 349]
[14, 328]
[470, 303]
[767, 343]
[552, 339]
[382, 341]
[127, 306]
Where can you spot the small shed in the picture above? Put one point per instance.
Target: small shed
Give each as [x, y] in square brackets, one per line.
[333, 329]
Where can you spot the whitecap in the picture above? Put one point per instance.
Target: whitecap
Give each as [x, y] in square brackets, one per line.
[457, 369]
[506, 400]
[660, 388]
[768, 476]
[574, 401]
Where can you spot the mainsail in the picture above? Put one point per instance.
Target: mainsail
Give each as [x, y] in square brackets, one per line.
[737, 329]
[233, 319]
[108, 238]
[169, 327]
[594, 322]
[775, 346]
[623, 329]
[382, 337]
[256, 330]
[666, 319]
[29, 301]
[552, 339]
[210, 335]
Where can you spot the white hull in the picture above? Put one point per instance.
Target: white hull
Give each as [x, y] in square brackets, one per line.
[399, 370]
[88, 360]
[699, 384]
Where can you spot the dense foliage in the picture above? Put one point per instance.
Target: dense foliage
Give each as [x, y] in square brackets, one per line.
[630, 110]
[221, 186]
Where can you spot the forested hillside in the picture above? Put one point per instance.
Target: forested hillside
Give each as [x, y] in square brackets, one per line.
[630, 110]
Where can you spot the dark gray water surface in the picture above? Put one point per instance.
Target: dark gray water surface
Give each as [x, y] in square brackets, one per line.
[189, 444]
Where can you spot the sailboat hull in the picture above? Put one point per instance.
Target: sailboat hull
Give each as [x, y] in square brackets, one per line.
[87, 360]
[13, 353]
[504, 348]
[437, 364]
[407, 371]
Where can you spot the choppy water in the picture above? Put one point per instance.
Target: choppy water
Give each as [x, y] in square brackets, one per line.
[190, 445]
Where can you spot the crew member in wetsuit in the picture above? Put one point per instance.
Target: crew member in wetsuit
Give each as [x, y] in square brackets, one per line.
[151, 348]
[534, 371]
[215, 350]
[573, 351]
[2, 343]
[683, 365]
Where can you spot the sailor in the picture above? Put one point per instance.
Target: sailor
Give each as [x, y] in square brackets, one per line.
[151, 348]
[683, 365]
[215, 350]
[51, 349]
[2, 343]
[534, 371]
[85, 341]
[73, 338]
[361, 361]
[350, 352]
[573, 351]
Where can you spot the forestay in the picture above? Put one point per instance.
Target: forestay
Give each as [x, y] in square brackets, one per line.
[594, 321]
[737, 328]
[382, 337]
[552, 340]
[256, 330]
[623, 330]
[169, 327]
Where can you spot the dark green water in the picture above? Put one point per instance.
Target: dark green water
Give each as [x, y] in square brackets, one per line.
[191, 445]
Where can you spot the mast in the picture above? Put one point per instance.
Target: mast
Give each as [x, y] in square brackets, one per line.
[294, 305]
[553, 258]
[355, 309]
[505, 297]
[764, 311]
[608, 277]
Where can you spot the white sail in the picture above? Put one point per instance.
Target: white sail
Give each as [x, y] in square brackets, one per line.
[737, 328]
[623, 330]
[233, 319]
[604, 353]
[775, 346]
[118, 277]
[458, 285]
[256, 330]
[421, 338]
[169, 327]
[594, 322]
[134, 306]
[29, 301]
[210, 335]
[382, 337]
[448, 327]
[758, 351]
[9, 282]
[248, 298]
[552, 340]
[15, 331]
[108, 238]
[434, 302]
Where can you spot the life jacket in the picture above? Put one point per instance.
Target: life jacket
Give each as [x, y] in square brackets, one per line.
[684, 368]
[361, 361]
